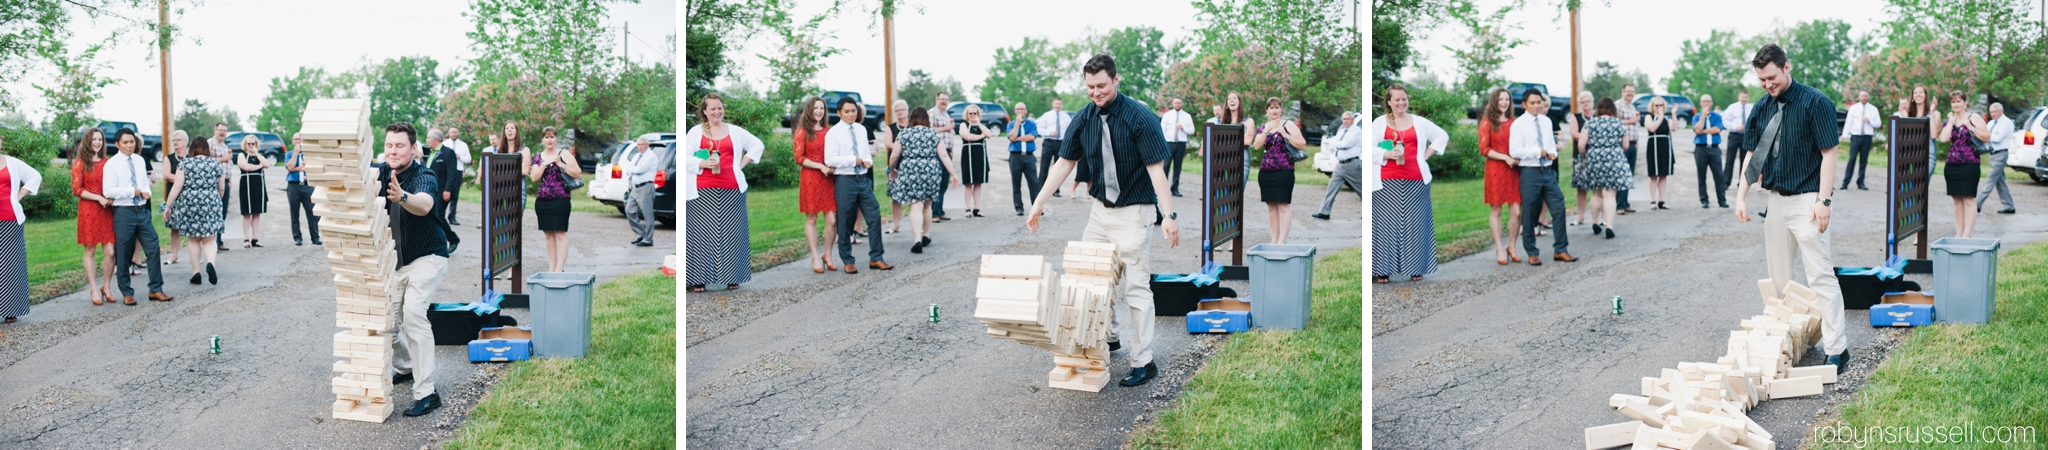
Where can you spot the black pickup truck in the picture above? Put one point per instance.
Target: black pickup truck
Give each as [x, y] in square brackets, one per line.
[871, 117]
[1559, 106]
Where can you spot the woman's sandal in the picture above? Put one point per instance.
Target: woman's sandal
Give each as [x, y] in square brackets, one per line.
[815, 267]
[96, 299]
[696, 288]
[10, 320]
[731, 287]
[1497, 257]
[1415, 278]
[1380, 280]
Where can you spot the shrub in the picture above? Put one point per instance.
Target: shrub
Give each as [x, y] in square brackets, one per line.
[1461, 159]
[755, 115]
[54, 200]
[777, 167]
[1440, 106]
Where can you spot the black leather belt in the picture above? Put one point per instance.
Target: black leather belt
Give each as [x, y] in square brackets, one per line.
[133, 206]
[1347, 160]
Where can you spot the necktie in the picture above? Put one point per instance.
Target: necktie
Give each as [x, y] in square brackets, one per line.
[857, 170]
[1110, 188]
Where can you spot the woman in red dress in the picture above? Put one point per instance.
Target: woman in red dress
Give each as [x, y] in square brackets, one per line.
[814, 185]
[1503, 180]
[95, 220]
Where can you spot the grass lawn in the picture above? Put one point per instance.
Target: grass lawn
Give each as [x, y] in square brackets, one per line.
[1460, 210]
[53, 259]
[1279, 389]
[1989, 375]
[621, 395]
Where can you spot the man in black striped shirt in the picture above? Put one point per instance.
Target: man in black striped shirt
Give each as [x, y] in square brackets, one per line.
[409, 190]
[1119, 143]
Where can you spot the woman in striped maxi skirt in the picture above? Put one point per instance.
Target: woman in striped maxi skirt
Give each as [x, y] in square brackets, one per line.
[17, 180]
[1403, 227]
[715, 211]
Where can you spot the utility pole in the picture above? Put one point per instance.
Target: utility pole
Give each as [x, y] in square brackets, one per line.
[1575, 63]
[163, 48]
[625, 50]
[889, 65]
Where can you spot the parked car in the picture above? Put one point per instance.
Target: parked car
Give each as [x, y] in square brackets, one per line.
[2028, 140]
[1559, 106]
[268, 144]
[665, 189]
[993, 116]
[1681, 107]
[608, 184]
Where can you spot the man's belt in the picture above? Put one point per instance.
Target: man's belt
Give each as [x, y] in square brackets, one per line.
[1347, 160]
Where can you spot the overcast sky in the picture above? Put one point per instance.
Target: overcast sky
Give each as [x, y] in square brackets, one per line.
[959, 38]
[1637, 34]
[244, 43]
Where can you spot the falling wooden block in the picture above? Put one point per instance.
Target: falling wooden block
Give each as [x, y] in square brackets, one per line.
[1768, 288]
[1615, 435]
[1796, 387]
[1016, 267]
[1825, 372]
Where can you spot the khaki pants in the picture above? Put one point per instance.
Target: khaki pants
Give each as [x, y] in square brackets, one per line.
[1127, 229]
[414, 285]
[1791, 227]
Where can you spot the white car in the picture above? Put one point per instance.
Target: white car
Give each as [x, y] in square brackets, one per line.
[2027, 143]
[608, 185]
[1325, 161]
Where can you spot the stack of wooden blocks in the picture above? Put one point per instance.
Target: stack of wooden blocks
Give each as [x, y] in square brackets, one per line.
[354, 228]
[1700, 406]
[1019, 300]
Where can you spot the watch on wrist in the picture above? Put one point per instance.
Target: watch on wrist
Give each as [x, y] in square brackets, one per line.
[1828, 202]
[1173, 215]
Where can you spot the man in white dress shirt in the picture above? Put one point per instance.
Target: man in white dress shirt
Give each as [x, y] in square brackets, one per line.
[944, 124]
[851, 157]
[462, 159]
[1053, 125]
[1735, 118]
[1530, 140]
[1349, 169]
[125, 180]
[1177, 125]
[2001, 131]
[1861, 123]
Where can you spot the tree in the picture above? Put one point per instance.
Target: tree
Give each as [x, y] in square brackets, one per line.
[196, 120]
[78, 87]
[920, 90]
[1892, 74]
[33, 33]
[561, 43]
[405, 89]
[1140, 60]
[1486, 49]
[1303, 33]
[795, 65]
[1021, 74]
[1822, 53]
[2010, 51]
[1395, 23]
[1712, 66]
[1605, 81]
[1252, 72]
[284, 107]
[531, 102]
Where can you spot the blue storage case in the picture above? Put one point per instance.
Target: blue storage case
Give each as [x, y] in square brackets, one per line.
[1227, 315]
[1901, 315]
[502, 344]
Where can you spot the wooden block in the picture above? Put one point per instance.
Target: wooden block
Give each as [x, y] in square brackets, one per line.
[1018, 267]
[1653, 438]
[1825, 372]
[342, 406]
[1615, 435]
[367, 412]
[1768, 289]
[1796, 387]
[1707, 441]
[1059, 374]
[1096, 248]
[1616, 400]
[1009, 289]
[1643, 412]
[1092, 381]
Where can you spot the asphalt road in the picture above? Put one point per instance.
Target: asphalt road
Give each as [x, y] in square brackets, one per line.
[1487, 356]
[74, 375]
[802, 360]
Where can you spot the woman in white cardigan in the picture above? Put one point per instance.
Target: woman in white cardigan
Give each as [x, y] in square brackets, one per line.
[17, 180]
[715, 193]
[1403, 228]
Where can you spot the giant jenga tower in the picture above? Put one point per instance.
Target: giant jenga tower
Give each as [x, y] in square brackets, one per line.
[1019, 300]
[355, 229]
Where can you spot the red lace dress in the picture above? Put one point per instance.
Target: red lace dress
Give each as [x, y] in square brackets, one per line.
[1503, 180]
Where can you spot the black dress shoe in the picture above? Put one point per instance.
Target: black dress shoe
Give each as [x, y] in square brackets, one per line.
[424, 406]
[1176, 194]
[644, 244]
[2007, 211]
[316, 241]
[1140, 376]
[210, 276]
[195, 277]
[1114, 346]
[927, 240]
[298, 242]
[917, 248]
[401, 378]
[1841, 362]
[1724, 203]
[1320, 216]
[1861, 188]
[1704, 205]
[1596, 229]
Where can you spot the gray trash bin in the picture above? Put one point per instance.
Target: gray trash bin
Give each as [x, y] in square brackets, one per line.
[1280, 279]
[560, 313]
[1965, 279]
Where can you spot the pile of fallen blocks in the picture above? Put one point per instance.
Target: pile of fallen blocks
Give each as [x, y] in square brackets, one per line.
[355, 231]
[1021, 298]
[1703, 406]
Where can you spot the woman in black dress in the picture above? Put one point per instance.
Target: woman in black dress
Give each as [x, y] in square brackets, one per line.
[253, 198]
[973, 156]
[1658, 154]
[1276, 172]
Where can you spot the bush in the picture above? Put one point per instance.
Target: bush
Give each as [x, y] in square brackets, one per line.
[1461, 159]
[1440, 106]
[54, 200]
[777, 167]
[758, 116]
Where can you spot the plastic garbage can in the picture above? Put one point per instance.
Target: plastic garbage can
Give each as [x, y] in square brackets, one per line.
[1965, 279]
[560, 313]
[1280, 279]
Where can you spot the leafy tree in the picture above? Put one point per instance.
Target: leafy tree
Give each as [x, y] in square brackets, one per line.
[1252, 72]
[1303, 33]
[284, 108]
[80, 79]
[920, 90]
[1822, 53]
[33, 33]
[528, 100]
[713, 27]
[1140, 60]
[405, 89]
[795, 65]
[1395, 24]
[1891, 75]
[1022, 73]
[1713, 66]
[196, 120]
[2010, 50]
[1605, 81]
[1483, 53]
[562, 43]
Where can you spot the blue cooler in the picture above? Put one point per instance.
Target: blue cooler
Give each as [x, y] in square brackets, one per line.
[1903, 309]
[502, 344]
[1225, 315]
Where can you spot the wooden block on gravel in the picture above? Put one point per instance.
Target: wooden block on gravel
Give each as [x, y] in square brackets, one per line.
[1796, 387]
[1825, 372]
[1609, 436]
